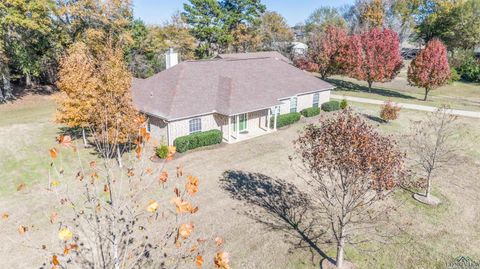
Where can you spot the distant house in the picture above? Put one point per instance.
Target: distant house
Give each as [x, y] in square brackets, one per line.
[238, 94]
[299, 49]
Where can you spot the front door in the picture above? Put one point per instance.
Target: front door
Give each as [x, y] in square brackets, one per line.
[242, 125]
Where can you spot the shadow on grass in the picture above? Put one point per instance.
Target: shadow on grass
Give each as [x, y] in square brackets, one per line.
[375, 118]
[352, 87]
[74, 133]
[278, 205]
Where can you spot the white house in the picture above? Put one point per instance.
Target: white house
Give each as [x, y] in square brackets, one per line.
[238, 94]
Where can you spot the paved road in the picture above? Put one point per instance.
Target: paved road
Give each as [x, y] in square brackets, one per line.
[465, 113]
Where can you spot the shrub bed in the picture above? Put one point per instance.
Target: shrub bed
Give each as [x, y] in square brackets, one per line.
[331, 106]
[197, 140]
[285, 119]
[310, 112]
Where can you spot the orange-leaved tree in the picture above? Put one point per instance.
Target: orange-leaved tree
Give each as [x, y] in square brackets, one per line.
[96, 85]
[78, 82]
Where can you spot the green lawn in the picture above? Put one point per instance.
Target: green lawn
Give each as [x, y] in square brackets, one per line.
[459, 95]
[27, 132]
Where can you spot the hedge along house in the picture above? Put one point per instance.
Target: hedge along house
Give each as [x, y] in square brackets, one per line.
[237, 94]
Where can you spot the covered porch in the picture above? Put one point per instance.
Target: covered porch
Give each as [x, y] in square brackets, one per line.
[243, 126]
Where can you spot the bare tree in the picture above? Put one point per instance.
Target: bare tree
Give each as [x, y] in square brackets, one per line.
[432, 145]
[352, 169]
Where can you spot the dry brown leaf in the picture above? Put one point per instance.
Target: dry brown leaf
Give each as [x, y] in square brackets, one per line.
[55, 260]
[163, 177]
[222, 260]
[219, 241]
[22, 229]
[5, 216]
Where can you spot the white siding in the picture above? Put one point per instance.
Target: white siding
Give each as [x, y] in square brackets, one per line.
[304, 101]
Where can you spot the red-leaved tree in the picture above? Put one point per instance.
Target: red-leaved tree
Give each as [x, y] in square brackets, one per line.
[351, 169]
[430, 69]
[374, 56]
[328, 50]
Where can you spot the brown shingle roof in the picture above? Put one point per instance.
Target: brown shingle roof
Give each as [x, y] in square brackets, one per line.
[224, 86]
[254, 55]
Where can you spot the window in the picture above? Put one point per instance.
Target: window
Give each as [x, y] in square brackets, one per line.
[195, 125]
[316, 99]
[293, 104]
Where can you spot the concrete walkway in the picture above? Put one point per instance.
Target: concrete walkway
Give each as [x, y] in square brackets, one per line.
[465, 113]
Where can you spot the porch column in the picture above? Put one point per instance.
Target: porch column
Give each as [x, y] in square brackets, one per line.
[229, 129]
[269, 116]
[275, 120]
[237, 123]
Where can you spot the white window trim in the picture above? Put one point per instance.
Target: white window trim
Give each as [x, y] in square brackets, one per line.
[296, 103]
[191, 123]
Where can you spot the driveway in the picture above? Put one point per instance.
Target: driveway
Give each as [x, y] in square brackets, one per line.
[464, 113]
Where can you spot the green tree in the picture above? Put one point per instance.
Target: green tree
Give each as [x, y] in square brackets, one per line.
[323, 17]
[456, 23]
[218, 24]
[275, 32]
[205, 17]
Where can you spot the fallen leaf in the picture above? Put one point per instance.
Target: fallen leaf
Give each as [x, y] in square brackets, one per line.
[199, 261]
[53, 153]
[5, 216]
[183, 206]
[65, 234]
[79, 176]
[152, 206]
[130, 172]
[65, 251]
[105, 188]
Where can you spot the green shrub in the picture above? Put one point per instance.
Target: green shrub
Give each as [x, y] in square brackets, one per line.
[331, 106]
[285, 119]
[466, 65]
[454, 76]
[197, 140]
[310, 112]
[162, 151]
[343, 104]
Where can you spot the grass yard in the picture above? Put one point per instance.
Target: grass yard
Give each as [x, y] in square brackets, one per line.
[249, 196]
[459, 95]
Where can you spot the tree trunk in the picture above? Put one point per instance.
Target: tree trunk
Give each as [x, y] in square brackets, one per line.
[370, 86]
[119, 157]
[2, 99]
[28, 80]
[7, 87]
[429, 186]
[340, 252]
[85, 144]
[426, 94]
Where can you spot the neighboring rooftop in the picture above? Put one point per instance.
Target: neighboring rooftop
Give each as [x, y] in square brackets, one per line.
[225, 86]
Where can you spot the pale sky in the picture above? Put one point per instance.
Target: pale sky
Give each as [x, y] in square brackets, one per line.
[295, 11]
